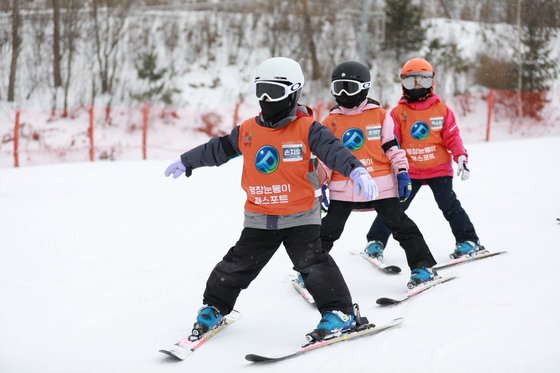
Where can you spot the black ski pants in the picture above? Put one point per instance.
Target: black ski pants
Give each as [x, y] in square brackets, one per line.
[446, 199]
[388, 210]
[255, 248]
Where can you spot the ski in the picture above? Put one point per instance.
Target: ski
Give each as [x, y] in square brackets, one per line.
[367, 329]
[182, 349]
[465, 259]
[302, 290]
[384, 301]
[386, 268]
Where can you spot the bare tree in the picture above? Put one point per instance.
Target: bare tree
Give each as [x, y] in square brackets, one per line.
[308, 29]
[16, 45]
[108, 32]
[57, 77]
[71, 33]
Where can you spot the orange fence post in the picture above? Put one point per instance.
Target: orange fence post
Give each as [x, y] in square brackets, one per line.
[490, 112]
[90, 134]
[145, 113]
[16, 140]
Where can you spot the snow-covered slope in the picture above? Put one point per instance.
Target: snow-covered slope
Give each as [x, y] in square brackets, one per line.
[102, 264]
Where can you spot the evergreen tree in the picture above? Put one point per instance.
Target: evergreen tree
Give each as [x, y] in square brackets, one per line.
[154, 81]
[403, 28]
[538, 68]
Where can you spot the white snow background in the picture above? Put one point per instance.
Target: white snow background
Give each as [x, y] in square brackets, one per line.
[102, 264]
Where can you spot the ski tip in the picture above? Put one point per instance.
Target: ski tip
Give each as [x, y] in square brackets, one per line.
[393, 269]
[397, 321]
[170, 354]
[256, 358]
[386, 301]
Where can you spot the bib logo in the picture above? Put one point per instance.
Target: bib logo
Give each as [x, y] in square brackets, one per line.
[354, 139]
[267, 159]
[420, 130]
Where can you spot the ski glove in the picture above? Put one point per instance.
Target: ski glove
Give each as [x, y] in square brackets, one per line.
[405, 185]
[364, 183]
[176, 168]
[462, 169]
[324, 199]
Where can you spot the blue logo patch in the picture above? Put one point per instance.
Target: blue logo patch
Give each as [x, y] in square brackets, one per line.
[420, 130]
[354, 139]
[267, 159]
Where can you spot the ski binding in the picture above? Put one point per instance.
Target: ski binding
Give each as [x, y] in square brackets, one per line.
[186, 346]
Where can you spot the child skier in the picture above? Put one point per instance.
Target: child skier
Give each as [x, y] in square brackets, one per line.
[365, 129]
[282, 204]
[426, 128]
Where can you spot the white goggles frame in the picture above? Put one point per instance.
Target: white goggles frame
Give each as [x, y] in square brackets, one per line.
[425, 80]
[362, 86]
[288, 90]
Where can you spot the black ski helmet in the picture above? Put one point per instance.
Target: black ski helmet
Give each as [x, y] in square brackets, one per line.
[351, 70]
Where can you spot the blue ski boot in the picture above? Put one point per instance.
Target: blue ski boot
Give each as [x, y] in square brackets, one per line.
[332, 324]
[300, 280]
[420, 275]
[208, 318]
[375, 249]
[465, 248]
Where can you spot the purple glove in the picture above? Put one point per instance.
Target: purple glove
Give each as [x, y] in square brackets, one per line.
[176, 168]
[405, 185]
[364, 183]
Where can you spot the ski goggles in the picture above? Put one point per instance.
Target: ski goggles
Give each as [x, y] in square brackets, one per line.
[425, 80]
[350, 87]
[275, 91]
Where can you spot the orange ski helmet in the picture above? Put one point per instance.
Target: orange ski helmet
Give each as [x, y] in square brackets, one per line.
[416, 65]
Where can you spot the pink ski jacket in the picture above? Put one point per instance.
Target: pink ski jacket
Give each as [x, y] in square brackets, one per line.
[429, 134]
[381, 138]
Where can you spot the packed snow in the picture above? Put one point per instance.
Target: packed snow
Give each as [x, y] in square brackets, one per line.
[102, 264]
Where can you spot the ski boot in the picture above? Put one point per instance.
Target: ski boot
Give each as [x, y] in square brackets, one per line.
[299, 279]
[466, 248]
[375, 249]
[208, 318]
[421, 275]
[332, 324]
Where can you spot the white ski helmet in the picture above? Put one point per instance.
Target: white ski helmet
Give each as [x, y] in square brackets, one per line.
[280, 69]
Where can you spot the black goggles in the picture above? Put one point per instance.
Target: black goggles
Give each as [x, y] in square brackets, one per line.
[275, 91]
[350, 87]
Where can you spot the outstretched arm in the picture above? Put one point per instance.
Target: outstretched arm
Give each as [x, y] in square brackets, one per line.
[215, 152]
[330, 150]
